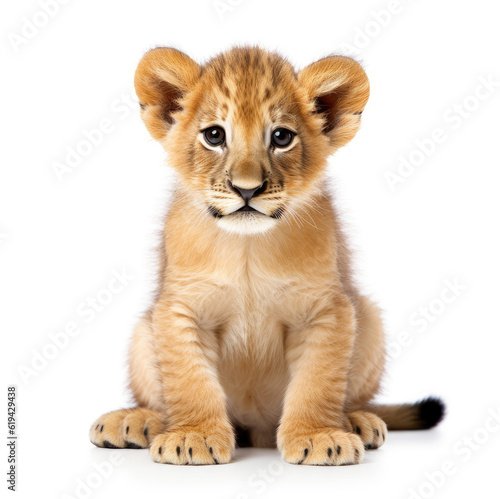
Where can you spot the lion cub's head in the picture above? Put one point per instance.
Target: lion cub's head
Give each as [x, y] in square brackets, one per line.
[248, 135]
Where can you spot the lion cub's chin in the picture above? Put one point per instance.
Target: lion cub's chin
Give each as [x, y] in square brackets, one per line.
[246, 223]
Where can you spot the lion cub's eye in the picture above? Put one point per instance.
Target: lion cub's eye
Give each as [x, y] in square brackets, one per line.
[281, 137]
[215, 135]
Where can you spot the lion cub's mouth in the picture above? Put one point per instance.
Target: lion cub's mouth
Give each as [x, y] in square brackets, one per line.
[245, 208]
[246, 220]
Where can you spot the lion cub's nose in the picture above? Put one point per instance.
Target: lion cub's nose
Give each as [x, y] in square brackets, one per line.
[247, 194]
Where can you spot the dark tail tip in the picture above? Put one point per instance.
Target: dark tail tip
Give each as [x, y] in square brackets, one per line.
[431, 412]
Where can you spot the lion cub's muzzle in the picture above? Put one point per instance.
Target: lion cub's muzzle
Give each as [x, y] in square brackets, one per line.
[247, 194]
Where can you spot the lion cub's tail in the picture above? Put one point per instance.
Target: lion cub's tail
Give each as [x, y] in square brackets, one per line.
[420, 415]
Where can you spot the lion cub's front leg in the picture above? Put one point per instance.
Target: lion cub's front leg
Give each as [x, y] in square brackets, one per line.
[198, 428]
[314, 429]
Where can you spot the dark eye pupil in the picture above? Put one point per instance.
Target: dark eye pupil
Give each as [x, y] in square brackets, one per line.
[282, 137]
[215, 135]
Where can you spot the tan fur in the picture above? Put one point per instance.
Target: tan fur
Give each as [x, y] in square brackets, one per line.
[257, 323]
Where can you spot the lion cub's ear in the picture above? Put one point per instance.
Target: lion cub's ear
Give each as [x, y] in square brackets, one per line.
[339, 88]
[162, 78]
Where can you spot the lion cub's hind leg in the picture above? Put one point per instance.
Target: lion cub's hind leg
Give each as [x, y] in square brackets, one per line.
[126, 429]
[370, 428]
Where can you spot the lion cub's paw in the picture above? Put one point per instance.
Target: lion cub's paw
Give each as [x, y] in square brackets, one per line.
[324, 446]
[126, 429]
[371, 429]
[202, 444]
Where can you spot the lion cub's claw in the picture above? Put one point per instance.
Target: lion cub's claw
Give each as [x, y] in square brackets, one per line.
[126, 429]
[325, 446]
[203, 444]
[370, 428]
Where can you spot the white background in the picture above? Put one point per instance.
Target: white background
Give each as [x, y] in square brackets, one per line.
[61, 240]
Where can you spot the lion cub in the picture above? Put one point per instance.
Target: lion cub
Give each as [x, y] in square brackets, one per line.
[257, 327]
